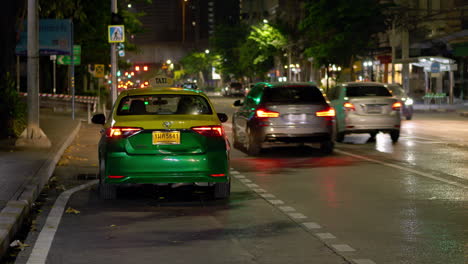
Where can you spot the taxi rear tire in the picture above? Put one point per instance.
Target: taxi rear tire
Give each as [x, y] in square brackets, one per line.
[222, 190]
[106, 191]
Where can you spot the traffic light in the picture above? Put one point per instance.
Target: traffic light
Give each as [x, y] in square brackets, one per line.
[137, 68]
[145, 68]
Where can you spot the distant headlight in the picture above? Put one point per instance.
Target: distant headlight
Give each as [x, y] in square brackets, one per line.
[408, 101]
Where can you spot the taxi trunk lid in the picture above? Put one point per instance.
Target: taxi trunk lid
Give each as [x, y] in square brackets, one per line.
[168, 135]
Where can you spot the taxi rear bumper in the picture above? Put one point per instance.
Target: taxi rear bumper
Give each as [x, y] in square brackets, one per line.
[147, 169]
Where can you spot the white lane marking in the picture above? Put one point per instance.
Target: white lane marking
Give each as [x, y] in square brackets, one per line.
[311, 225]
[246, 181]
[239, 176]
[44, 241]
[252, 185]
[259, 190]
[363, 261]
[228, 125]
[267, 195]
[343, 248]
[235, 172]
[287, 209]
[427, 175]
[297, 215]
[325, 235]
[276, 202]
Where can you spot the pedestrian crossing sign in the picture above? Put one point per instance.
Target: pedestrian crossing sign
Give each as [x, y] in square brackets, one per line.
[116, 33]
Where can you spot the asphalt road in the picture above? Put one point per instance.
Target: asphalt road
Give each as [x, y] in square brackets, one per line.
[369, 202]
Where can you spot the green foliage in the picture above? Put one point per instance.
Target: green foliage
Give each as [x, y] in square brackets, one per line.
[199, 62]
[226, 42]
[338, 30]
[13, 116]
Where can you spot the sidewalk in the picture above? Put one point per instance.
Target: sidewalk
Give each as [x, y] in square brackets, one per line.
[460, 108]
[24, 171]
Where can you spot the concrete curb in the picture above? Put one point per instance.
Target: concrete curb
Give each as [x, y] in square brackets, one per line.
[17, 209]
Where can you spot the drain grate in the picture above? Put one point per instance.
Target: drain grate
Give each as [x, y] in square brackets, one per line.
[86, 176]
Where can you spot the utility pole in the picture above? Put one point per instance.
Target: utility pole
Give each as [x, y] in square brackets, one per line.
[113, 54]
[33, 135]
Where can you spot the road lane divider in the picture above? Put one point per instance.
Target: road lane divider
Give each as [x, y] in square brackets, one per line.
[342, 250]
[420, 173]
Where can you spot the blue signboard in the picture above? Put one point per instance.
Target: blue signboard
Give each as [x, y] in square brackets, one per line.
[55, 37]
[435, 67]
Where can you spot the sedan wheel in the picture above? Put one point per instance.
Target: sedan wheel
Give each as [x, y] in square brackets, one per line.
[394, 135]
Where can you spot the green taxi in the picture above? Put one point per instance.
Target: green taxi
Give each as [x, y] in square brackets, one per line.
[163, 135]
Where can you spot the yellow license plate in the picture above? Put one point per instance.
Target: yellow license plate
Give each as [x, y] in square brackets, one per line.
[166, 138]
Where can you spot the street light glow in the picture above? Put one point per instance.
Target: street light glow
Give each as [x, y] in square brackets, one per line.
[207, 51]
[168, 61]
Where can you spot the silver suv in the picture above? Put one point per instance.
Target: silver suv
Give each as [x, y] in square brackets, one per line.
[283, 113]
[365, 107]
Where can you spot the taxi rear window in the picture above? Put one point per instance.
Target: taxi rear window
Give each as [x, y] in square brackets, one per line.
[165, 104]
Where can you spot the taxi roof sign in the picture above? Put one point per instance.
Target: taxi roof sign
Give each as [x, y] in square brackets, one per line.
[161, 81]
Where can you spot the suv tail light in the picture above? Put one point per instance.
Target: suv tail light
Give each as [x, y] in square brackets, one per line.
[349, 106]
[209, 131]
[262, 112]
[330, 112]
[396, 106]
[122, 132]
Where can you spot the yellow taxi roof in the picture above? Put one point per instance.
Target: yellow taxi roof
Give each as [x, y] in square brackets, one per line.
[160, 90]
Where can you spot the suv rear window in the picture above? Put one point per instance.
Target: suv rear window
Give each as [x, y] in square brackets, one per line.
[358, 91]
[293, 95]
[164, 104]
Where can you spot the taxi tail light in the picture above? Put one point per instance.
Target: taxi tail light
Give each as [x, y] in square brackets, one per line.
[349, 106]
[218, 175]
[265, 113]
[209, 131]
[122, 132]
[396, 106]
[115, 177]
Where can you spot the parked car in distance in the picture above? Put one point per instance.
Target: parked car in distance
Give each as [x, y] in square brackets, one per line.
[190, 86]
[282, 112]
[365, 107]
[163, 136]
[234, 89]
[406, 101]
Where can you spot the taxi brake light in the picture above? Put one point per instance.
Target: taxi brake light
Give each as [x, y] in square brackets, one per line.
[209, 131]
[121, 132]
[396, 106]
[330, 112]
[266, 113]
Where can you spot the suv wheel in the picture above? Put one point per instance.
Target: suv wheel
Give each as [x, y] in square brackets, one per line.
[253, 146]
[327, 147]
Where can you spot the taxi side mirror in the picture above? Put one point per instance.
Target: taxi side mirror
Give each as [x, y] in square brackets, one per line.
[99, 119]
[238, 103]
[222, 117]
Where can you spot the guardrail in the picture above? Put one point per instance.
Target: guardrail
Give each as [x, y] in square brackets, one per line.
[436, 98]
[63, 102]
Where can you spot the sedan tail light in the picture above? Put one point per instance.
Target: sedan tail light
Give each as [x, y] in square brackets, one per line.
[396, 106]
[349, 106]
[209, 131]
[330, 112]
[262, 112]
[122, 132]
